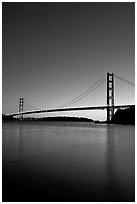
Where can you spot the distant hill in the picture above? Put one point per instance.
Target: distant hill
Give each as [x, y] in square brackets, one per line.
[59, 118]
[126, 116]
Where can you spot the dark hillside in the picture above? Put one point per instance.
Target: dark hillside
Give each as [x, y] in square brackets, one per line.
[126, 116]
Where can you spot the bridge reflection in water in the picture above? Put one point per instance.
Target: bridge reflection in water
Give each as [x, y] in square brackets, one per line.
[68, 162]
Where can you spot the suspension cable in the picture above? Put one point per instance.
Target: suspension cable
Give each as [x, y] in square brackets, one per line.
[125, 80]
[85, 93]
[27, 103]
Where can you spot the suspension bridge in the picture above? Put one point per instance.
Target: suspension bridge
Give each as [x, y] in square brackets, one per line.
[110, 92]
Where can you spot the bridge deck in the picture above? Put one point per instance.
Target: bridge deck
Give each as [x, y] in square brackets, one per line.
[72, 109]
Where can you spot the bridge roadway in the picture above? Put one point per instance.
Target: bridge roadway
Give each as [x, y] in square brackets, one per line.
[72, 109]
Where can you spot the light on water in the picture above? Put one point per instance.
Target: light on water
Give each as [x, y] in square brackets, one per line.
[65, 161]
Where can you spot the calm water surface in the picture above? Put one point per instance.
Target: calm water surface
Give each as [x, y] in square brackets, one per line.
[65, 161]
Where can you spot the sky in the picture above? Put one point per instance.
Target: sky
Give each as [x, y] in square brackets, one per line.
[52, 52]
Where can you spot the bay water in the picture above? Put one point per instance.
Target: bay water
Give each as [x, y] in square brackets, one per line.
[67, 161]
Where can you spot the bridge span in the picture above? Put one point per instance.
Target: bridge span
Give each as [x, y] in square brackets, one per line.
[72, 109]
[108, 93]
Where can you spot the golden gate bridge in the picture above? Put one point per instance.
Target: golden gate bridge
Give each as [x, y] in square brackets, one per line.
[110, 92]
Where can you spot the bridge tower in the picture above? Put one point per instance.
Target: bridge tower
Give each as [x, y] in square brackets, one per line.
[110, 96]
[21, 100]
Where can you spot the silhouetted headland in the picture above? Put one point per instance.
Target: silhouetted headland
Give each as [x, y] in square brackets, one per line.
[126, 116]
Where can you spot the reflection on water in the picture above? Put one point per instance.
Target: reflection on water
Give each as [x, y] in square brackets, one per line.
[55, 161]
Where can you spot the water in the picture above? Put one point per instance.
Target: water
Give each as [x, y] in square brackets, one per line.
[65, 161]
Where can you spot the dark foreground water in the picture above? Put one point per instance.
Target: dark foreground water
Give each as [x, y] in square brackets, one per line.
[60, 161]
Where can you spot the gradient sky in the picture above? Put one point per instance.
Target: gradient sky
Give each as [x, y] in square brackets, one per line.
[52, 52]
